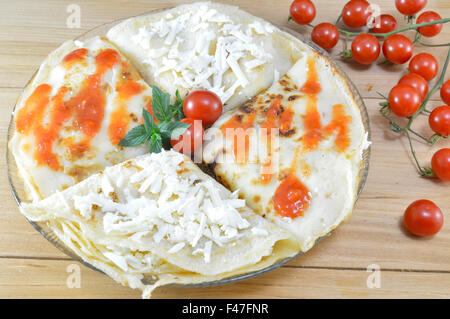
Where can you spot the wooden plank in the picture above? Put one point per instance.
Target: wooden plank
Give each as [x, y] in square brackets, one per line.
[22, 278]
[31, 267]
[366, 238]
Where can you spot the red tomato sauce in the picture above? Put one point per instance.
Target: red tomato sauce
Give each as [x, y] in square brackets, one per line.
[291, 198]
[86, 108]
[120, 119]
[312, 84]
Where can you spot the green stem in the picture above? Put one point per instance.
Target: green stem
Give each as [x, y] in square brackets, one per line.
[338, 19]
[422, 172]
[387, 34]
[431, 92]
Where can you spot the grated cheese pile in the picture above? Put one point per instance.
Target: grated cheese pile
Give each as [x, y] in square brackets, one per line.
[161, 203]
[200, 46]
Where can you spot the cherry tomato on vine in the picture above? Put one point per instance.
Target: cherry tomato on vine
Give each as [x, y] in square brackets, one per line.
[404, 100]
[303, 11]
[440, 163]
[191, 140]
[439, 120]
[417, 82]
[397, 49]
[203, 105]
[356, 13]
[429, 30]
[410, 7]
[425, 65]
[423, 218]
[445, 92]
[365, 48]
[384, 23]
[325, 35]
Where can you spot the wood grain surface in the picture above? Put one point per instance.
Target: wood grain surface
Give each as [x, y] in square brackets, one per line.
[30, 267]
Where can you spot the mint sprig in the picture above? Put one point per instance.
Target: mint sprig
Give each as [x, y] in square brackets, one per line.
[158, 134]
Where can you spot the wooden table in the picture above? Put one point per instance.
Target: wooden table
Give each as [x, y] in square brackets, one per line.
[30, 267]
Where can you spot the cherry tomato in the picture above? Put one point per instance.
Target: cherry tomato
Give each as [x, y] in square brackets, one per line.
[191, 140]
[203, 105]
[429, 30]
[303, 11]
[410, 7]
[425, 65]
[417, 82]
[384, 23]
[356, 13]
[365, 48]
[439, 120]
[404, 100]
[440, 163]
[445, 92]
[397, 49]
[325, 35]
[423, 218]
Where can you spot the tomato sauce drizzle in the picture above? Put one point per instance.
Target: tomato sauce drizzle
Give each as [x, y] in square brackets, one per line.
[312, 84]
[120, 118]
[292, 198]
[86, 108]
[73, 57]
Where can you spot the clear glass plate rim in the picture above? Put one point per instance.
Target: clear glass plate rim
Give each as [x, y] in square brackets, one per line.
[362, 178]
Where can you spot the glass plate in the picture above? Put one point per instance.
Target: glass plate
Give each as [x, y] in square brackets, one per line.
[17, 186]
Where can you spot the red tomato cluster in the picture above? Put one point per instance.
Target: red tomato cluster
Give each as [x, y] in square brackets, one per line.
[423, 217]
[201, 105]
[397, 48]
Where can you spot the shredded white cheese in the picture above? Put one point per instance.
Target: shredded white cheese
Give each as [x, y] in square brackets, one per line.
[202, 46]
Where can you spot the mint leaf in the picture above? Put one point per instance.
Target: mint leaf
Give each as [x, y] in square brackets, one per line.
[150, 125]
[177, 107]
[173, 129]
[155, 144]
[135, 136]
[161, 104]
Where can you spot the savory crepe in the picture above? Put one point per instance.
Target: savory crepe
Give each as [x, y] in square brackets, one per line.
[207, 45]
[71, 116]
[159, 215]
[294, 151]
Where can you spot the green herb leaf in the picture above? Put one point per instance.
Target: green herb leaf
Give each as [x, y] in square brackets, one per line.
[135, 136]
[173, 129]
[155, 144]
[150, 125]
[161, 104]
[177, 107]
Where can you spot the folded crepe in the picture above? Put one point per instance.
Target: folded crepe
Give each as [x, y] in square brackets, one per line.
[158, 219]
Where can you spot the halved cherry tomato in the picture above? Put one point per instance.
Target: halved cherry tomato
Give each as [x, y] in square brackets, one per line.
[417, 82]
[356, 13]
[439, 120]
[303, 11]
[445, 92]
[191, 140]
[384, 23]
[425, 65]
[325, 35]
[203, 105]
[365, 48]
[410, 7]
[404, 100]
[440, 163]
[423, 218]
[397, 49]
[429, 30]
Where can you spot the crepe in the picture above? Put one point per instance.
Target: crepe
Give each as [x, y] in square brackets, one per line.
[294, 151]
[209, 46]
[74, 112]
[160, 215]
